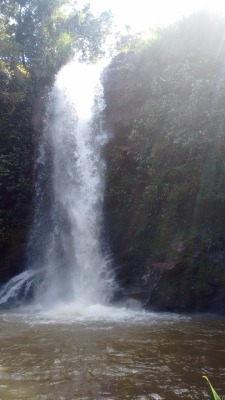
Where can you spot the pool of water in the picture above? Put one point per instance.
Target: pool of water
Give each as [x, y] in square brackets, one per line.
[108, 353]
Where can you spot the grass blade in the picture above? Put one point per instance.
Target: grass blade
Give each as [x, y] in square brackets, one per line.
[212, 392]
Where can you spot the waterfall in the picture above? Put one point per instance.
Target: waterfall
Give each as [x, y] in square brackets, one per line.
[66, 259]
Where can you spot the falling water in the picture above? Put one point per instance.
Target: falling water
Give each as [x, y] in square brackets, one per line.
[66, 261]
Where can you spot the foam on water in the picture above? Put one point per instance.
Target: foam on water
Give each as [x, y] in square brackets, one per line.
[95, 316]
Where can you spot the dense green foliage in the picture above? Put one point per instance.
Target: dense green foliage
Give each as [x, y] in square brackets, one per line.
[36, 38]
[166, 178]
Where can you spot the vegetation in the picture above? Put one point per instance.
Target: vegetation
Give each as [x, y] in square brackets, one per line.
[36, 38]
[166, 175]
[212, 392]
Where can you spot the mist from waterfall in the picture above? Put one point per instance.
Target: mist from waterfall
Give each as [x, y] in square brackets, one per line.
[67, 262]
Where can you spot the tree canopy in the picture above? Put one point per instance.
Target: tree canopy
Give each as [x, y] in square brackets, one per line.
[41, 36]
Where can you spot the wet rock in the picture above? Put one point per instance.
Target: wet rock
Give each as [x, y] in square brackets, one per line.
[169, 253]
[120, 82]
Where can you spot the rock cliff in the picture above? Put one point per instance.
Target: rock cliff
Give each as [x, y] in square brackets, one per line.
[165, 202]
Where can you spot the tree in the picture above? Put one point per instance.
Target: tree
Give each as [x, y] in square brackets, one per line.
[44, 35]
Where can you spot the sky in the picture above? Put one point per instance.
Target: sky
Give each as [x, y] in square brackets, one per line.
[144, 14]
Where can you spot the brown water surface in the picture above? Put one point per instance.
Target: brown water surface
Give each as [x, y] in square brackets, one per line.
[132, 355]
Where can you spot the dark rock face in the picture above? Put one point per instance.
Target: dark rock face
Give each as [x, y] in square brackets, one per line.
[17, 178]
[120, 80]
[167, 240]
[181, 289]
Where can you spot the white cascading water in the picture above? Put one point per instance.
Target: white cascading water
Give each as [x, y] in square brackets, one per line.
[66, 261]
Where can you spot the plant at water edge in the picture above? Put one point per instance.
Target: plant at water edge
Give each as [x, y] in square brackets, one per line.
[212, 392]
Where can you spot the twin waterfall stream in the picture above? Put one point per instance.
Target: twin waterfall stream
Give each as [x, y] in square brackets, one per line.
[60, 336]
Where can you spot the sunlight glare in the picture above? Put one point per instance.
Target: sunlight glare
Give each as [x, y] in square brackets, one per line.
[143, 14]
[80, 80]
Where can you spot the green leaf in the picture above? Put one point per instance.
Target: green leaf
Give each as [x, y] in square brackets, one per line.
[212, 392]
